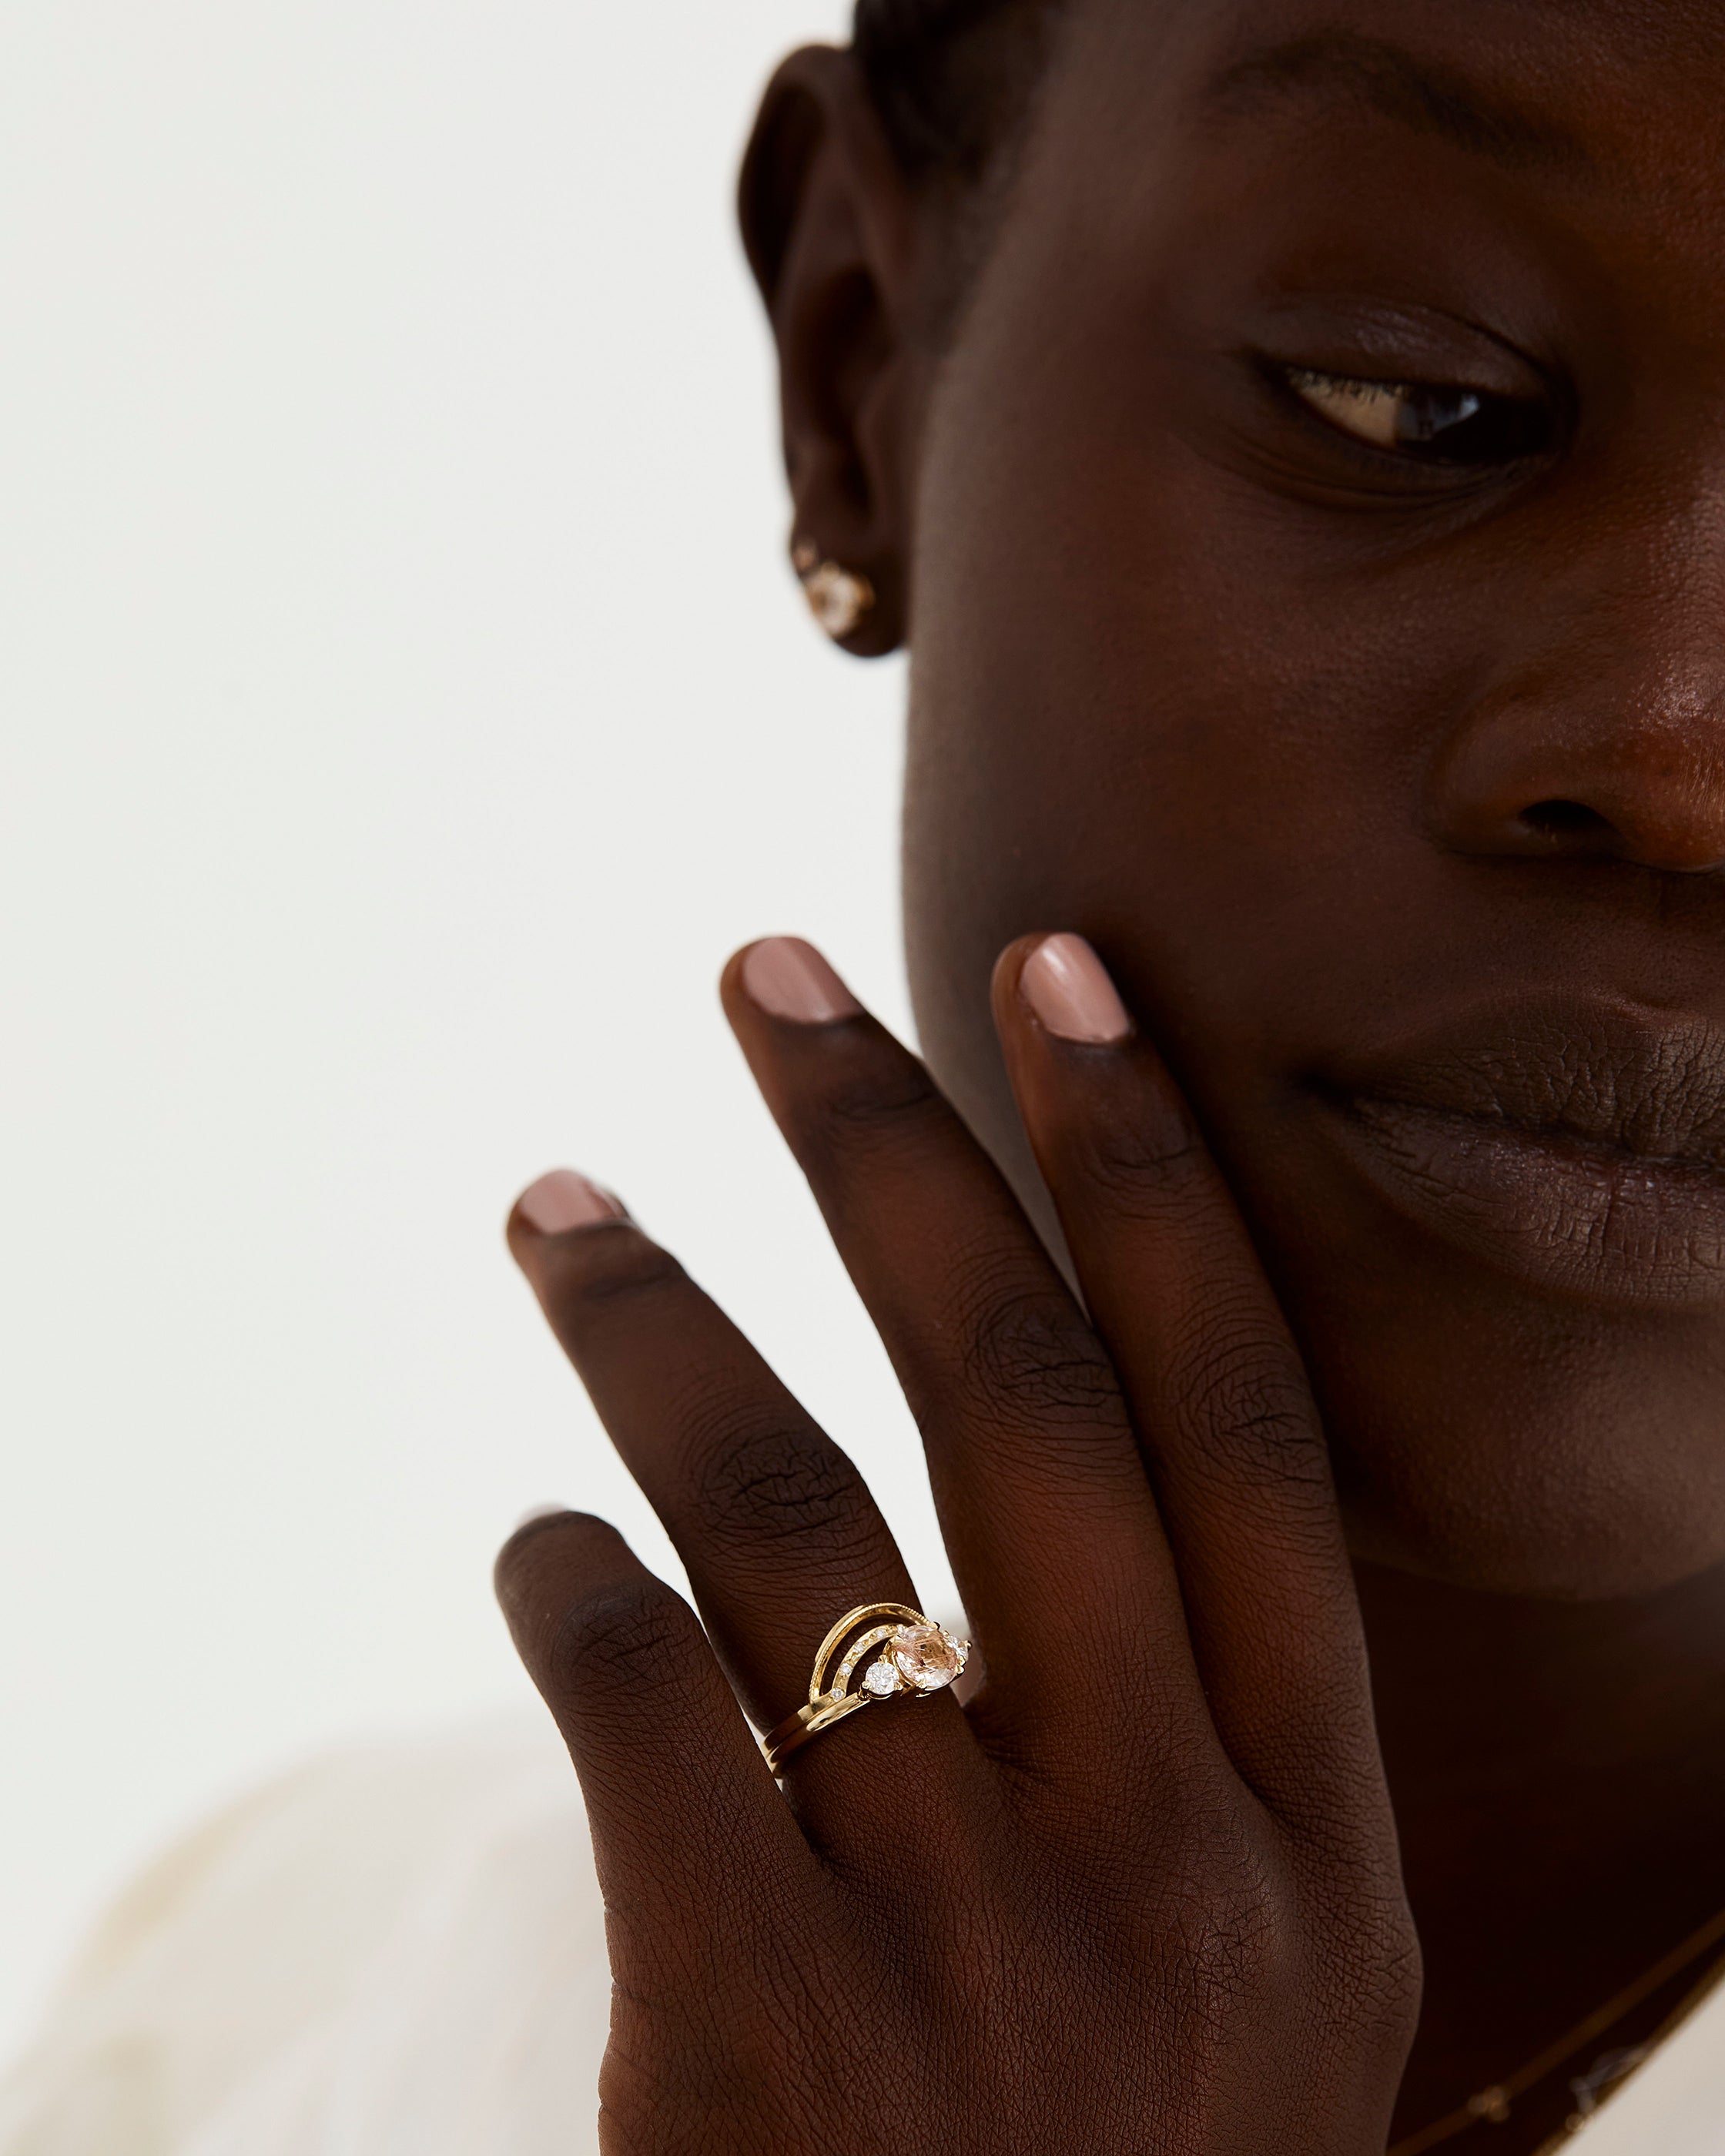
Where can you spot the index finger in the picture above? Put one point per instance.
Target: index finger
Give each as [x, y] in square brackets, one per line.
[1210, 1370]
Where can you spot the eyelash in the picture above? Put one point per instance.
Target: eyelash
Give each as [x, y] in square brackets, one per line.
[1426, 423]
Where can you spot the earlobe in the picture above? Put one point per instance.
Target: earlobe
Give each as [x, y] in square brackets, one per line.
[830, 226]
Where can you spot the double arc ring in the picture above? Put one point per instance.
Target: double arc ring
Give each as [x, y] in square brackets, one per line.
[881, 1650]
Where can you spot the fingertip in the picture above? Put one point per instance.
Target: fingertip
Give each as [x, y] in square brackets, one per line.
[1070, 993]
[1077, 1059]
[535, 1513]
[1009, 966]
[550, 1555]
[560, 1203]
[787, 978]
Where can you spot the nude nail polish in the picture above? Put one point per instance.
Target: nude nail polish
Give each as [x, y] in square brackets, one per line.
[563, 1200]
[1067, 986]
[789, 979]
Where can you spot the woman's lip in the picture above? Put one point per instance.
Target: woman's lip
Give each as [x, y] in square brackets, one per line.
[1580, 1146]
[1590, 1220]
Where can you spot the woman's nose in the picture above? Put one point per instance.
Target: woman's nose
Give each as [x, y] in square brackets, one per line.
[1645, 785]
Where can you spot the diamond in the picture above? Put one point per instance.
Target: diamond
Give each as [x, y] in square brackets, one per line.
[927, 1658]
[838, 598]
[882, 1679]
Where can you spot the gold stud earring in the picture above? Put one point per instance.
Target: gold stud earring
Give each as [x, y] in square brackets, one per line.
[838, 598]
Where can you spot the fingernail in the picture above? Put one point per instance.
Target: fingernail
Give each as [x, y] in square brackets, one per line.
[789, 978]
[1067, 986]
[563, 1200]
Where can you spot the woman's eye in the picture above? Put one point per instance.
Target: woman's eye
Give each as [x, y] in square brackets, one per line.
[1439, 424]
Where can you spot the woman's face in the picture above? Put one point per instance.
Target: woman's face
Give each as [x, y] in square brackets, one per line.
[1319, 602]
[1377, 739]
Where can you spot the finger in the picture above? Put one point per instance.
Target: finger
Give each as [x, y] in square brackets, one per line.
[776, 1527]
[1214, 1382]
[1047, 1514]
[693, 1847]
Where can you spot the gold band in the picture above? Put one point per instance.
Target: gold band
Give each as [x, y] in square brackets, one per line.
[910, 1654]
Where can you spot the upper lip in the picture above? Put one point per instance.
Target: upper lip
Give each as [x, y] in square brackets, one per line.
[1646, 1085]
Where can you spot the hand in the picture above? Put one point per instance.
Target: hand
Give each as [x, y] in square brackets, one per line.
[1142, 1895]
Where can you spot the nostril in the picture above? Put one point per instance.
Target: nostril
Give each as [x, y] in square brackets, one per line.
[1567, 820]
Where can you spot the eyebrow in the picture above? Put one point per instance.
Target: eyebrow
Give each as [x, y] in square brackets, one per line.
[1342, 67]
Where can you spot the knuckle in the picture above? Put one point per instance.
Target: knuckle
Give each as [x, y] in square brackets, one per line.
[595, 1277]
[778, 1482]
[624, 1636]
[1139, 1165]
[1245, 1403]
[868, 1113]
[1214, 1931]
[1361, 1956]
[1385, 1948]
[542, 1549]
[1243, 1928]
[1031, 1357]
[1396, 1983]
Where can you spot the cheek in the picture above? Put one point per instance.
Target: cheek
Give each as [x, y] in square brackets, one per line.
[1141, 704]
[1145, 708]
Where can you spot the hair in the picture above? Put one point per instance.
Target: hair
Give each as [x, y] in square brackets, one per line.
[950, 79]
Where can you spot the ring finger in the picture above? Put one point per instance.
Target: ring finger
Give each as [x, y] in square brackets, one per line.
[773, 1523]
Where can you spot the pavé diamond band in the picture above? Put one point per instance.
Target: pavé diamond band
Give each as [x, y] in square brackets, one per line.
[881, 1650]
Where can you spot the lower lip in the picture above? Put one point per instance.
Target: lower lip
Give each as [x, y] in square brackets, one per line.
[1588, 1219]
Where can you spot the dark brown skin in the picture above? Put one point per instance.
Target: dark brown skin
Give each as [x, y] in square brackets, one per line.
[1389, 782]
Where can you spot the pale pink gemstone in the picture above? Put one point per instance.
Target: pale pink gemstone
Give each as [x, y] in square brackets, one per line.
[924, 1656]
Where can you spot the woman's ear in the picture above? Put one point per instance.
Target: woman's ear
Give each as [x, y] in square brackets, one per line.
[831, 224]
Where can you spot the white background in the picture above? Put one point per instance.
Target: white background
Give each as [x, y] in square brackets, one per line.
[406, 708]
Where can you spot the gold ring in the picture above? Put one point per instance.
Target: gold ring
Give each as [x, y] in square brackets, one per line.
[911, 1655]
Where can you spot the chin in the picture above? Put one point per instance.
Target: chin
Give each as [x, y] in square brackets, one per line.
[1585, 1504]
[1504, 1415]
